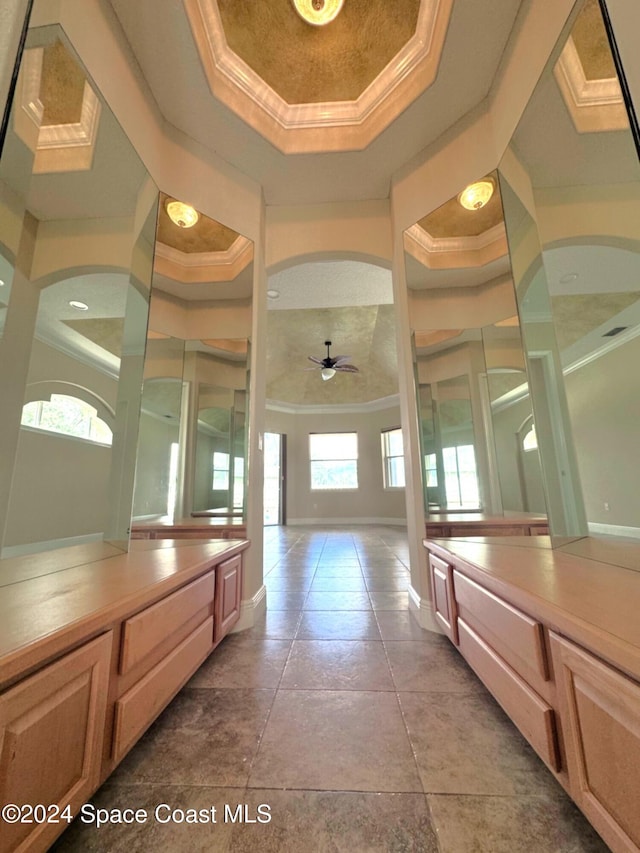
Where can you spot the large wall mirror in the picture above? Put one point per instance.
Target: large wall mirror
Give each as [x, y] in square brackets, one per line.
[78, 215]
[474, 405]
[571, 188]
[193, 439]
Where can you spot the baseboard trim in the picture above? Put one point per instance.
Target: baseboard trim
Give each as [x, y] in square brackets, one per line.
[420, 609]
[614, 530]
[251, 609]
[293, 522]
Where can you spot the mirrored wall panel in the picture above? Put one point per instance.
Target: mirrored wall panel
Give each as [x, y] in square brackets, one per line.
[78, 215]
[193, 440]
[470, 368]
[571, 188]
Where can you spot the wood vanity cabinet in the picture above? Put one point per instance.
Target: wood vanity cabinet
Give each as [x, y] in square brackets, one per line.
[51, 730]
[228, 596]
[600, 708]
[443, 598]
[579, 712]
[65, 725]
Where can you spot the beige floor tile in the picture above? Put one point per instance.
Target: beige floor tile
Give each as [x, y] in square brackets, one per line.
[240, 662]
[336, 741]
[155, 833]
[338, 625]
[337, 665]
[282, 599]
[337, 601]
[277, 624]
[512, 825]
[333, 583]
[205, 737]
[389, 600]
[338, 570]
[324, 822]
[465, 744]
[401, 625]
[433, 666]
[386, 583]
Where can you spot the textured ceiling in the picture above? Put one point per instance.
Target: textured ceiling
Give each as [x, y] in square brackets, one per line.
[61, 86]
[365, 333]
[307, 64]
[590, 39]
[452, 220]
[206, 235]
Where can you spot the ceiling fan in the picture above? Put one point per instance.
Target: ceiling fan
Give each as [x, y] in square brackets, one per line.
[329, 366]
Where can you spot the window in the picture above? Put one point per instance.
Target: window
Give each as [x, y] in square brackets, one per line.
[530, 441]
[460, 477]
[69, 416]
[393, 458]
[431, 469]
[220, 471]
[238, 482]
[334, 460]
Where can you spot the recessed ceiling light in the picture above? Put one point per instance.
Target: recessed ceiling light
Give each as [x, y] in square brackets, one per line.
[79, 306]
[273, 294]
[570, 276]
[318, 12]
[181, 214]
[477, 195]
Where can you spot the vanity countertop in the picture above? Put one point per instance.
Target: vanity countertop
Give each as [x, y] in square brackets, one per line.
[68, 601]
[592, 601]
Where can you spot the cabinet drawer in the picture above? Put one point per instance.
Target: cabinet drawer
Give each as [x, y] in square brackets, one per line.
[141, 705]
[530, 713]
[444, 603]
[148, 629]
[515, 636]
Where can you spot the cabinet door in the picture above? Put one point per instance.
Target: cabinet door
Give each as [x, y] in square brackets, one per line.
[51, 731]
[600, 711]
[228, 596]
[444, 603]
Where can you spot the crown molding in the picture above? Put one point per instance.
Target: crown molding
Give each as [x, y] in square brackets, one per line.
[337, 409]
[456, 252]
[198, 267]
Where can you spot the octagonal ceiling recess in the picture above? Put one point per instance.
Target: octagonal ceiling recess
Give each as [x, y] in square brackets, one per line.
[313, 89]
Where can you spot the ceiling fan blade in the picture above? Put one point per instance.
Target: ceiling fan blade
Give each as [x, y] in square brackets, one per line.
[313, 358]
[312, 368]
[340, 359]
[347, 368]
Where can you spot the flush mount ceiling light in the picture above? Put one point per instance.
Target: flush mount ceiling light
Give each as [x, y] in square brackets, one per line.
[79, 306]
[318, 12]
[181, 214]
[273, 294]
[568, 278]
[477, 195]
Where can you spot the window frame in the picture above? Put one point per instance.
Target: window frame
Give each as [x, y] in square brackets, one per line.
[339, 459]
[387, 458]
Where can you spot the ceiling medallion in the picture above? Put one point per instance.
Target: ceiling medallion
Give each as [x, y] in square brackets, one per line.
[318, 12]
[181, 214]
[477, 195]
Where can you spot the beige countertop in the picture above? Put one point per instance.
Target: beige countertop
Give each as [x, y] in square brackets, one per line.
[592, 601]
[44, 614]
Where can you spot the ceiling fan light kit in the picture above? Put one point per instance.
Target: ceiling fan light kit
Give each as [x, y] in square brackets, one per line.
[329, 365]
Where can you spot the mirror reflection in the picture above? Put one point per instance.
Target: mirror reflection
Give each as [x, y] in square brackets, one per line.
[192, 454]
[76, 253]
[571, 187]
[470, 367]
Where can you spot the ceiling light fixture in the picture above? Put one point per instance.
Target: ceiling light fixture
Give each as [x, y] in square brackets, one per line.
[181, 214]
[79, 306]
[327, 373]
[318, 12]
[476, 195]
[273, 294]
[568, 277]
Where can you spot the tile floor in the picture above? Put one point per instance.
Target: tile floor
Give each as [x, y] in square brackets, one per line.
[359, 731]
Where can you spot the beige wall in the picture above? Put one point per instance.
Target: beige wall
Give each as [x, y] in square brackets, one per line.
[604, 406]
[371, 501]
